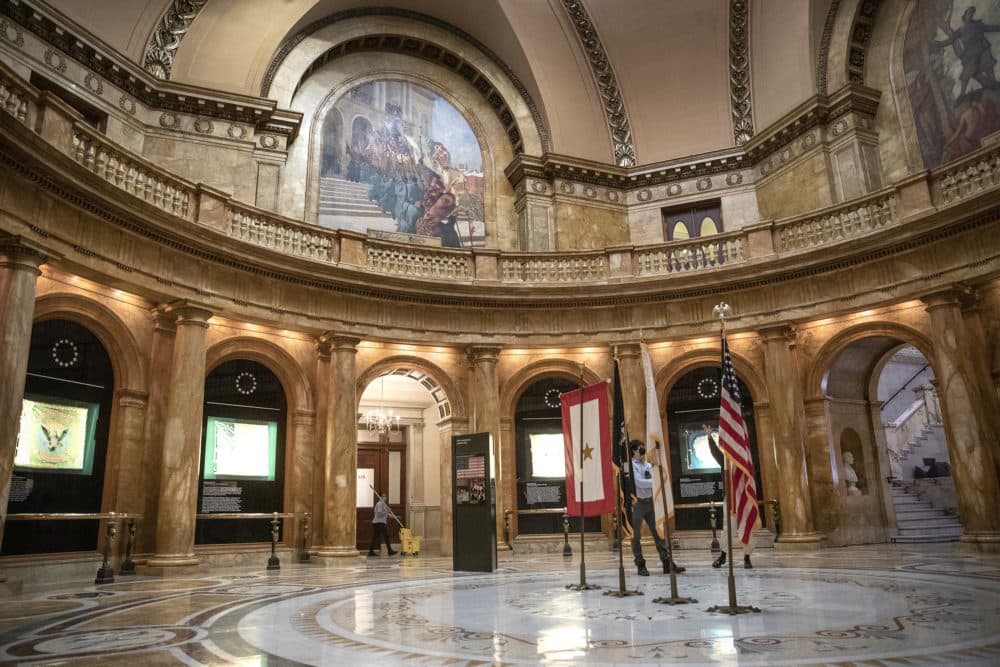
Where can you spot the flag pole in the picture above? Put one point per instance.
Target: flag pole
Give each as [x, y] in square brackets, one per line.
[583, 585]
[723, 310]
[674, 599]
[620, 501]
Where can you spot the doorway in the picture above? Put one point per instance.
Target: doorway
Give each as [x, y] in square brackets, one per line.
[382, 468]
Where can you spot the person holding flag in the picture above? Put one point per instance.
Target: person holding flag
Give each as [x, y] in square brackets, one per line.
[642, 510]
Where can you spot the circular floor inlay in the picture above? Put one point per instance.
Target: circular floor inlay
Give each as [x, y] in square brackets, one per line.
[836, 615]
[90, 642]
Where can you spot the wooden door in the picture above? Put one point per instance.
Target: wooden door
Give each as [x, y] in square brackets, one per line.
[382, 465]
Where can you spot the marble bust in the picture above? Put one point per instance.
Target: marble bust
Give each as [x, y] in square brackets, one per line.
[850, 475]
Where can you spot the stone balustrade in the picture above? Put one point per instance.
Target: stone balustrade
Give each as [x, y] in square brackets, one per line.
[284, 236]
[16, 99]
[691, 255]
[966, 178]
[130, 173]
[414, 262]
[568, 267]
[845, 222]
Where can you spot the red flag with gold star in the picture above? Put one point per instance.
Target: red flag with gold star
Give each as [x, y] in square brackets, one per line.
[587, 441]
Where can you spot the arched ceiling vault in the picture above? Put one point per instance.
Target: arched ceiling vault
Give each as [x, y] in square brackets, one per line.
[670, 63]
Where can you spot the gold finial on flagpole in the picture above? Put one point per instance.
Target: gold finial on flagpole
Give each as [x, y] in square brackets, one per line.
[722, 310]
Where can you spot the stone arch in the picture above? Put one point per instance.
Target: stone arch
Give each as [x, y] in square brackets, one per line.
[839, 342]
[563, 368]
[681, 365]
[437, 381]
[290, 373]
[128, 364]
[844, 44]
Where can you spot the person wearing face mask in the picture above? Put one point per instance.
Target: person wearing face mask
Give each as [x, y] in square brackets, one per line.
[642, 510]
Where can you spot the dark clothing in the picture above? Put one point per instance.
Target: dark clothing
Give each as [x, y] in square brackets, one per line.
[379, 535]
[642, 510]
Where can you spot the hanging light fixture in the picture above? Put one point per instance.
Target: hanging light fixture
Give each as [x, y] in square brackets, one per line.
[379, 421]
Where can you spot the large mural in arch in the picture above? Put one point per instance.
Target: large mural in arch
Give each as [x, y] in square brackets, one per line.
[397, 157]
[949, 58]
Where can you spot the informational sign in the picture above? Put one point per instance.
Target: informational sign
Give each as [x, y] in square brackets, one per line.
[221, 497]
[473, 510]
[20, 488]
[539, 494]
[365, 494]
[470, 475]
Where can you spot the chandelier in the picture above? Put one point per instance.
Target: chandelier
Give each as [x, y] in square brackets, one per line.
[379, 421]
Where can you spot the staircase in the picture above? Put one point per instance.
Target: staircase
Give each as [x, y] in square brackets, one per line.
[341, 197]
[917, 522]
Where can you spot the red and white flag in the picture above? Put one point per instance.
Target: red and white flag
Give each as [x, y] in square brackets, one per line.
[592, 461]
[735, 444]
[656, 450]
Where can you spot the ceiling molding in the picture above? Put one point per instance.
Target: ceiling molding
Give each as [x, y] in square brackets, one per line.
[289, 45]
[607, 83]
[158, 56]
[739, 71]
[860, 37]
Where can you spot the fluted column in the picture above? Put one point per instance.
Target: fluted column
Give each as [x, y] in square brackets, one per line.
[341, 451]
[967, 423]
[18, 275]
[487, 420]
[788, 440]
[160, 359]
[175, 519]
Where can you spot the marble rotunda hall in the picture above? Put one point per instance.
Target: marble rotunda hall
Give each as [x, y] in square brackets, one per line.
[266, 262]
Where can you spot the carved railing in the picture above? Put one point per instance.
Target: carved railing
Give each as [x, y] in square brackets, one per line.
[966, 178]
[131, 173]
[554, 268]
[285, 236]
[414, 262]
[16, 99]
[843, 223]
[692, 255]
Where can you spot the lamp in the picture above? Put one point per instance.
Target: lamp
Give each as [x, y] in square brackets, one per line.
[379, 421]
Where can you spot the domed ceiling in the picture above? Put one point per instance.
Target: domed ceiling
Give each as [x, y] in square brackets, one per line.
[657, 71]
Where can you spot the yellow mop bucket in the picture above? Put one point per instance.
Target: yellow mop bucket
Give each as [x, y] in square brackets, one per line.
[410, 543]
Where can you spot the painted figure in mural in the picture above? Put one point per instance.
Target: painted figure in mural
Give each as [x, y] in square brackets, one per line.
[978, 118]
[449, 235]
[973, 49]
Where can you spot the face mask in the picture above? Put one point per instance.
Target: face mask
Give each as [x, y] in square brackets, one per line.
[641, 451]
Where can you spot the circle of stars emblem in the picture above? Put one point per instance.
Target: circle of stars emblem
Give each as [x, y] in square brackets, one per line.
[246, 383]
[708, 388]
[552, 398]
[65, 353]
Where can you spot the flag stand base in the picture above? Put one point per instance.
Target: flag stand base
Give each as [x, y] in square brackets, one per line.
[732, 610]
[674, 600]
[622, 594]
[582, 587]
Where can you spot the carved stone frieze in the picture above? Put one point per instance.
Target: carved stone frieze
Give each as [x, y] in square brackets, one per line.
[161, 48]
[55, 60]
[739, 71]
[11, 33]
[127, 103]
[861, 33]
[607, 83]
[93, 84]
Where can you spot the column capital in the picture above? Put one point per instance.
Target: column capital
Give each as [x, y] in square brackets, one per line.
[164, 320]
[334, 341]
[779, 331]
[626, 350]
[947, 298]
[481, 353]
[20, 254]
[189, 313]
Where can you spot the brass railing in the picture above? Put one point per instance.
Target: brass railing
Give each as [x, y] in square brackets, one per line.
[105, 573]
[274, 521]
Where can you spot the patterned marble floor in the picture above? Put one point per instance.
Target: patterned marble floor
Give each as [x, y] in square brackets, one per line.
[884, 605]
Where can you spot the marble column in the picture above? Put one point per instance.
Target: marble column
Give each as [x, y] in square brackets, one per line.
[788, 440]
[448, 427]
[301, 478]
[633, 389]
[821, 462]
[509, 456]
[130, 429]
[881, 486]
[175, 519]
[341, 447]
[977, 348]
[324, 348]
[967, 423]
[415, 478]
[18, 275]
[160, 360]
[487, 420]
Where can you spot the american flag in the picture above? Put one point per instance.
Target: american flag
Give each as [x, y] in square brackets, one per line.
[735, 444]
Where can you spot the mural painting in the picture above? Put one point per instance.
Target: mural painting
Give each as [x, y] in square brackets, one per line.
[397, 157]
[951, 75]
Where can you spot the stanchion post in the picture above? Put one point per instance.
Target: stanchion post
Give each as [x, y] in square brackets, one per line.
[304, 556]
[567, 551]
[273, 563]
[106, 573]
[128, 566]
[715, 536]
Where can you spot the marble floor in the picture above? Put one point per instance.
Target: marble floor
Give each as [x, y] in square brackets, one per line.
[884, 605]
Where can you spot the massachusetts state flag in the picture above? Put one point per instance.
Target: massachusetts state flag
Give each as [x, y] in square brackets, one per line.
[592, 460]
[656, 450]
[735, 444]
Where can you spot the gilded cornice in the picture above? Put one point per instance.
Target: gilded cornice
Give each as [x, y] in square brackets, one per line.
[158, 56]
[66, 37]
[289, 45]
[619, 127]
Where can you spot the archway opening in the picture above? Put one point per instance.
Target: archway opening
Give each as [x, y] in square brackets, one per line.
[399, 454]
[242, 453]
[62, 446]
[693, 404]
